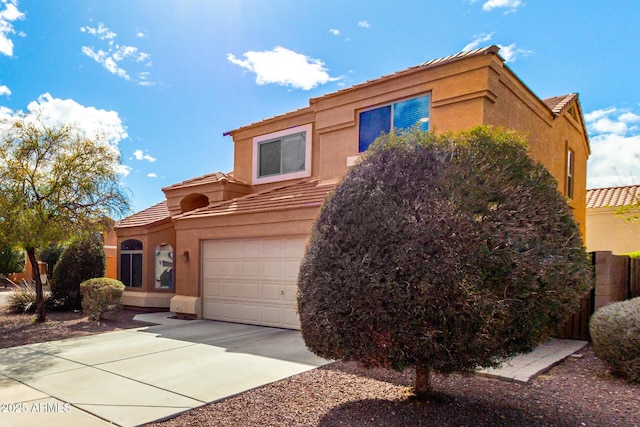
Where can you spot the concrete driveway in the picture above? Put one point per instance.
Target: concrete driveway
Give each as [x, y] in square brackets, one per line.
[141, 375]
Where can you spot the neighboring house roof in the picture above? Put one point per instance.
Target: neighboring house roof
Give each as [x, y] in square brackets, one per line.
[205, 179]
[150, 216]
[303, 194]
[613, 196]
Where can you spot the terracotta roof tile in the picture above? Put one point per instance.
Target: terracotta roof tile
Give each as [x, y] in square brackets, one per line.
[152, 215]
[558, 103]
[204, 179]
[613, 196]
[309, 193]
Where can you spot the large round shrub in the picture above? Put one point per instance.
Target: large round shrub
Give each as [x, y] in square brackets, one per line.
[440, 252]
[83, 259]
[615, 331]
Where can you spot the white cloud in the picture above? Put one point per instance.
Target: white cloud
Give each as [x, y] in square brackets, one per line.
[478, 40]
[124, 170]
[140, 35]
[8, 15]
[139, 155]
[94, 122]
[511, 53]
[284, 67]
[4, 90]
[615, 148]
[152, 175]
[334, 31]
[364, 24]
[512, 5]
[102, 32]
[115, 54]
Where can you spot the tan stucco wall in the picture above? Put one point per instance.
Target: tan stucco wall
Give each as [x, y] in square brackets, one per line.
[607, 231]
[464, 94]
[151, 238]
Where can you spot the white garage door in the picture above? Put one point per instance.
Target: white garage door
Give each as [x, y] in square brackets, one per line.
[252, 280]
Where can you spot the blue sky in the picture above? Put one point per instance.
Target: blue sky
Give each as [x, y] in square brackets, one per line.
[165, 79]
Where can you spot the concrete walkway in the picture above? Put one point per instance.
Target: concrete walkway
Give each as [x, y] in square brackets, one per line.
[524, 367]
[137, 376]
[132, 377]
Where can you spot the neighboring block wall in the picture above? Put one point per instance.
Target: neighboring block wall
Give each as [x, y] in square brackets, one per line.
[613, 279]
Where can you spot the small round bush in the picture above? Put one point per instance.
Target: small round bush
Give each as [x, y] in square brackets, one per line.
[101, 297]
[83, 259]
[615, 331]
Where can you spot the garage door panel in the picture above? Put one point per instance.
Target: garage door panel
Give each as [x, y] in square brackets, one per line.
[290, 269]
[272, 269]
[251, 269]
[271, 293]
[252, 280]
[231, 268]
[211, 268]
[251, 291]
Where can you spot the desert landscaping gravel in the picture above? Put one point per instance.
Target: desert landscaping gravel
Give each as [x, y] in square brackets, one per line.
[577, 392]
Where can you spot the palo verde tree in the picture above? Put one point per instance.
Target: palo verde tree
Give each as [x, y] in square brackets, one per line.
[445, 253]
[55, 182]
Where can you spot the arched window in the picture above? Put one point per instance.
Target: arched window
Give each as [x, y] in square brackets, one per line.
[164, 266]
[131, 263]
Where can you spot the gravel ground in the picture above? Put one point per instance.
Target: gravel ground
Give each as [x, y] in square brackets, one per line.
[577, 392]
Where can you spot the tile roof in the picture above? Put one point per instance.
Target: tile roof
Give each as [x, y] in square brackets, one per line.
[613, 196]
[150, 216]
[204, 179]
[558, 103]
[303, 194]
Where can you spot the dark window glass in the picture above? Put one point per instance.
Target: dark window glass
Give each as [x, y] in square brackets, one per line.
[136, 270]
[270, 153]
[372, 124]
[131, 245]
[125, 269]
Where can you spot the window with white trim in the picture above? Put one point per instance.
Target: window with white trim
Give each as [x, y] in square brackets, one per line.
[282, 155]
[399, 115]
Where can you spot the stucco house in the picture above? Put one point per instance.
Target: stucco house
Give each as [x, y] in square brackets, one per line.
[227, 246]
[606, 230]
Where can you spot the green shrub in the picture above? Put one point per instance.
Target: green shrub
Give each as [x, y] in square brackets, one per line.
[443, 252]
[23, 299]
[615, 331]
[51, 255]
[83, 259]
[101, 297]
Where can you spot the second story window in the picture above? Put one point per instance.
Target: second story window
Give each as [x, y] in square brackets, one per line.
[570, 172]
[399, 115]
[282, 155]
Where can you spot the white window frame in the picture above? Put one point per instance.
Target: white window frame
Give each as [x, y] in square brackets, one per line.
[306, 172]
